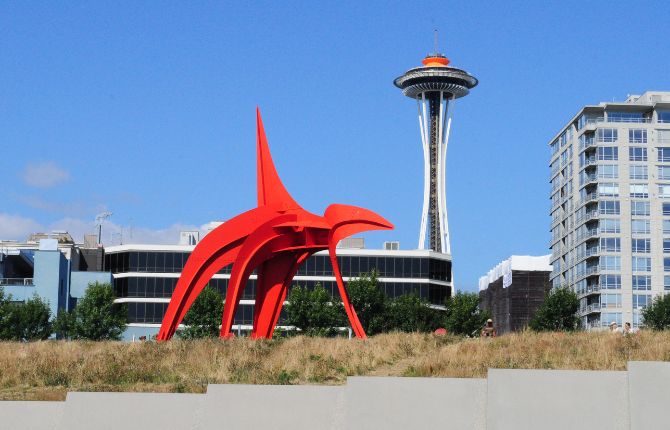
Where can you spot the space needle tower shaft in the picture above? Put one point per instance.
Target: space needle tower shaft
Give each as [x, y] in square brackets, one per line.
[435, 86]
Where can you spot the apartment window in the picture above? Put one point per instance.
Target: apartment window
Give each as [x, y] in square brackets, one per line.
[639, 191]
[610, 244]
[641, 282]
[608, 189]
[666, 283]
[664, 191]
[666, 264]
[664, 154]
[641, 264]
[663, 115]
[610, 300]
[610, 282]
[666, 208]
[637, 154]
[637, 136]
[608, 171]
[610, 226]
[611, 153]
[641, 245]
[638, 172]
[610, 262]
[554, 147]
[664, 172]
[609, 207]
[640, 226]
[663, 136]
[607, 318]
[666, 226]
[625, 117]
[640, 208]
[607, 135]
[641, 301]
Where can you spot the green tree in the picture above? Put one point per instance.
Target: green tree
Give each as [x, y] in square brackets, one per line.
[463, 315]
[97, 317]
[314, 311]
[63, 324]
[24, 321]
[558, 312]
[409, 313]
[657, 315]
[369, 301]
[203, 319]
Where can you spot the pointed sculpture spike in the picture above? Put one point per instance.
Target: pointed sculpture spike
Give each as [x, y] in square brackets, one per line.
[270, 188]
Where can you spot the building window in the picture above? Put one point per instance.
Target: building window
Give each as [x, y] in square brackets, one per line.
[637, 136]
[666, 283]
[664, 154]
[666, 245]
[610, 300]
[608, 171]
[610, 262]
[663, 115]
[666, 226]
[638, 172]
[608, 189]
[641, 264]
[641, 245]
[610, 226]
[666, 208]
[641, 301]
[637, 154]
[640, 208]
[609, 207]
[664, 172]
[640, 226]
[639, 191]
[607, 135]
[666, 264]
[610, 282]
[610, 244]
[625, 117]
[608, 318]
[664, 191]
[611, 153]
[641, 282]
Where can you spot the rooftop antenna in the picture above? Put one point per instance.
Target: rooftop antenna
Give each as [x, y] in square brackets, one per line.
[435, 41]
[99, 219]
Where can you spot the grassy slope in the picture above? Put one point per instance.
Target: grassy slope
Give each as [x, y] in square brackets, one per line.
[47, 370]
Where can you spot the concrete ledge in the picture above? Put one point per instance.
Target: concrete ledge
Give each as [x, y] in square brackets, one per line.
[30, 415]
[276, 407]
[557, 399]
[130, 411]
[649, 394]
[423, 403]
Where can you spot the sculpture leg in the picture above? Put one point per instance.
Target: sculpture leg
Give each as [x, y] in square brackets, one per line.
[274, 278]
[356, 325]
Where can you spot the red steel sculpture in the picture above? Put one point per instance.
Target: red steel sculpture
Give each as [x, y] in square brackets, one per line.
[274, 239]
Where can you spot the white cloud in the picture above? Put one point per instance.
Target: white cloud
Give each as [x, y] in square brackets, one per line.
[45, 174]
[15, 227]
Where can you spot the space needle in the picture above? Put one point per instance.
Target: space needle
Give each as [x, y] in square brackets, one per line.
[434, 85]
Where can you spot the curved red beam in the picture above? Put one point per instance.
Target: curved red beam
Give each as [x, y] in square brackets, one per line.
[274, 239]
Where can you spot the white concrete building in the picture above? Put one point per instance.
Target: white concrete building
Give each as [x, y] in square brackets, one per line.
[610, 207]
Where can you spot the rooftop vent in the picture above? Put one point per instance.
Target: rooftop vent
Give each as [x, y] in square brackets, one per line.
[352, 243]
[392, 246]
[189, 237]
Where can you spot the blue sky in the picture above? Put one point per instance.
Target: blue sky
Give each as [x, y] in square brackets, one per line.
[146, 109]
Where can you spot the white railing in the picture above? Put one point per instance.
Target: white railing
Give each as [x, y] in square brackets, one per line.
[26, 282]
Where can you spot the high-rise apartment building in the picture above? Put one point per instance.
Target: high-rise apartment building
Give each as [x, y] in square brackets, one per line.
[610, 207]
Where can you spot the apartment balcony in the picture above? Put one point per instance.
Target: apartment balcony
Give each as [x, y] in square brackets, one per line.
[16, 282]
[590, 197]
[587, 143]
[588, 216]
[594, 307]
[588, 234]
[591, 179]
[603, 120]
[589, 290]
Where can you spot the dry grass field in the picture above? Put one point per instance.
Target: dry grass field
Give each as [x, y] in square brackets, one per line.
[47, 370]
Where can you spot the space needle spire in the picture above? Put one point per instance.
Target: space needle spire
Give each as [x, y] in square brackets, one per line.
[435, 86]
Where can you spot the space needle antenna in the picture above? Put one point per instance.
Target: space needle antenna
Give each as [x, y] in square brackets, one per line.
[435, 41]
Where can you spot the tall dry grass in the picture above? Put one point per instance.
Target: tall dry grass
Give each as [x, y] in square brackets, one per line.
[47, 370]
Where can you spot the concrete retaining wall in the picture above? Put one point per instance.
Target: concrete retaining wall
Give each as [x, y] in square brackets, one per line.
[508, 399]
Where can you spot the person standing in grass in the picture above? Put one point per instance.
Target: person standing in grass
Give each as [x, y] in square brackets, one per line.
[489, 330]
[614, 328]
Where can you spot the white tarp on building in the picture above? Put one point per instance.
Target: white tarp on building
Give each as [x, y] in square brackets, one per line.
[504, 269]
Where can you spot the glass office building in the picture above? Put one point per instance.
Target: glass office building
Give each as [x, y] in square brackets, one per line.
[144, 277]
[610, 207]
